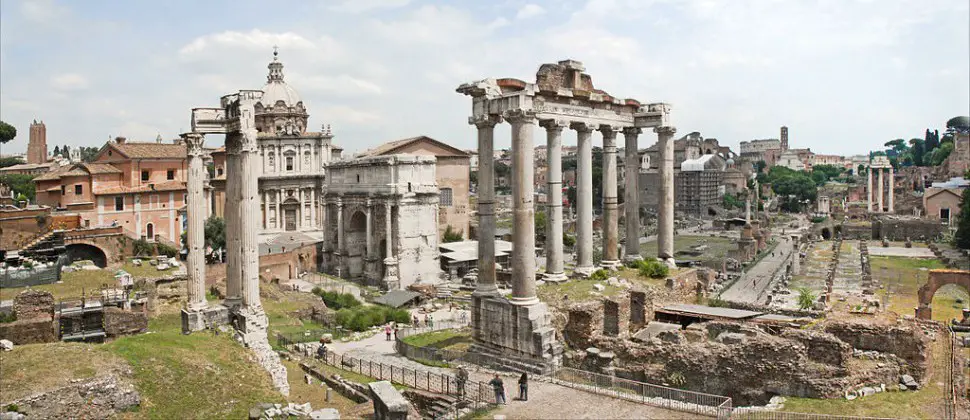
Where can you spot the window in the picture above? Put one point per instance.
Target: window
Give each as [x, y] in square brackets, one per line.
[78, 189]
[170, 175]
[219, 171]
[445, 197]
[119, 203]
[289, 163]
[63, 189]
[145, 175]
[945, 214]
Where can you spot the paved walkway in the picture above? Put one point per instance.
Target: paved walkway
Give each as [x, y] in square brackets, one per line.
[757, 280]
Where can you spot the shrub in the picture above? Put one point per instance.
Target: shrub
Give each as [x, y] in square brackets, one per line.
[818, 219]
[363, 317]
[166, 250]
[451, 235]
[806, 298]
[7, 317]
[599, 275]
[337, 300]
[652, 268]
[142, 247]
[568, 241]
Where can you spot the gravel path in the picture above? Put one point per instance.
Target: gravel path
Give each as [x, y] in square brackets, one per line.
[758, 279]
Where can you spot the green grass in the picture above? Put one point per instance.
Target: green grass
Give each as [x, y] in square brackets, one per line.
[577, 290]
[927, 403]
[87, 281]
[904, 276]
[442, 339]
[717, 247]
[27, 369]
[192, 376]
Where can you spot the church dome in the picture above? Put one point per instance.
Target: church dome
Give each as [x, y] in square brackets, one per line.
[276, 90]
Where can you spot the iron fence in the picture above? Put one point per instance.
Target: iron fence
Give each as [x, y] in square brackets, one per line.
[655, 395]
[286, 340]
[749, 414]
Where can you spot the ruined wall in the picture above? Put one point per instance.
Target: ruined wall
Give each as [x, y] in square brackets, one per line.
[118, 322]
[29, 331]
[905, 340]
[894, 228]
[17, 227]
[33, 304]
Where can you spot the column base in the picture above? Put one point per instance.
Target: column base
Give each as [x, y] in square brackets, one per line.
[584, 271]
[198, 320]
[527, 301]
[612, 265]
[554, 277]
[669, 262]
[232, 303]
[486, 290]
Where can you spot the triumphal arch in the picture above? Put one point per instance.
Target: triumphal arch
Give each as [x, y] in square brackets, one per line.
[562, 97]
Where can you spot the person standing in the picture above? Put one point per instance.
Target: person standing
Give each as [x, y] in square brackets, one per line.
[524, 387]
[462, 379]
[387, 332]
[499, 387]
[395, 331]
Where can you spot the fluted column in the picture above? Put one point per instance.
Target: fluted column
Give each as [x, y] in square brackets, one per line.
[279, 216]
[554, 222]
[369, 240]
[249, 208]
[341, 254]
[869, 189]
[231, 215]
[313, 209]
[196, 222]
[665, 225]
[881, 181]
[892, 198]
[486, 203]
[611, 255]
[391, 279]
[631, 196]
[584, 199]
[523, 212]
[265, 223]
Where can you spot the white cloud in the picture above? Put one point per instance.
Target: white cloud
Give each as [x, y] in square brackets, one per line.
[341, 116]
[43, 11]
[529, 10]
[69, 82]
[342, 84]
[255, 39]
[361, 6]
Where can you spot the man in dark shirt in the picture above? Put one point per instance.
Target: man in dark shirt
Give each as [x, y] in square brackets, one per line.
[499, 387]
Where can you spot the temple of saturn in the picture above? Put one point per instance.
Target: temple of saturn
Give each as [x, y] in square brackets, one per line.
[562, 97]
[242, 308]
[875, 193]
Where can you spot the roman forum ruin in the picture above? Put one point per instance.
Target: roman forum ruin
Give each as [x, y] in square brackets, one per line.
[877, 192]
[562, 96]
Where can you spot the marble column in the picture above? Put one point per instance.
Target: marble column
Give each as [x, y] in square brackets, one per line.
[301, 209]
[486, 203]
[892, 198]
[584, 199]
[879, 199]
[279, 216]
[869, 189]
[340, 237]
[313, 208]
[391, 279]
[665, 218]
[231, 216]
[196, 223]
[248, 214]
[611, 229]
[631, 194]
[266, 210]
[523, 211]
[207, 193]
[554, 222]
[369, 240]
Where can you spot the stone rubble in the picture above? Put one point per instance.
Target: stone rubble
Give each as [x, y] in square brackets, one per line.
[257, 340]
[6, 345]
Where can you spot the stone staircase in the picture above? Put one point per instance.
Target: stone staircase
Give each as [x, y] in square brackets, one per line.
[46, 248]
[443, 407]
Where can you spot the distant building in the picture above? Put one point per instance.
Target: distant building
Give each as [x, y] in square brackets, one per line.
[139, 186]
[452, 169]
[698, 186]
[942, 199]
[790, 159]
[691, 146]
[37, 145]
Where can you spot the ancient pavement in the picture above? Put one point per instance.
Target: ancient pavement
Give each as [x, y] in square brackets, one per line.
[753, 286]
[546, 400]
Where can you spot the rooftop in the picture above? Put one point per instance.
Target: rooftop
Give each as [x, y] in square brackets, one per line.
[709, 311]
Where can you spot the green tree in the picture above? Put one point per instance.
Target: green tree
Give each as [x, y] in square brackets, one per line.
[941, 153]
[963, 221]
[215, 232]
[57, 150]
[540, 222]
[10, 161]
[451, 235]
[760, 166]
[917, 147]
[20, 184]
[931, 140]
[897, 145]
[7, 132]
[88, 154]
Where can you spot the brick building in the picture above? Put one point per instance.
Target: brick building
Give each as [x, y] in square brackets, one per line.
[37, 145]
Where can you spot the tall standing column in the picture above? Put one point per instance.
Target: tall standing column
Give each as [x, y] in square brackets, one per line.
[391, 280]
[891, 192]
[631, 196]
[341, 262]
[554, 234]
[231, 215]
[265, 210]
[611, 255]
[881, 181]
[248, 212]
[869, 189]
[301, 209]
[665, 225]
[486, 203]
[523, 212]
[196, 224]
[313, 208]
[369, 240]
[279, 216]
[584, 199]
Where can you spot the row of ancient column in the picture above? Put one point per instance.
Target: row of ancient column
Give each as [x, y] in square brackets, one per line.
[874, 195]
[242, 221]
[523, 231]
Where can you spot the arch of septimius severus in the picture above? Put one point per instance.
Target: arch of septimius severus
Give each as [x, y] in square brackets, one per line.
[563, 97]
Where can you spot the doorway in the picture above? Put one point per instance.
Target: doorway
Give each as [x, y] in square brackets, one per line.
[290, 218]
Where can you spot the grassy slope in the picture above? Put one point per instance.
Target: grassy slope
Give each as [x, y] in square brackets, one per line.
[904, 277]
[28, 369]
[192, 376]
[442, 339]
[925, 403]
[87, 281]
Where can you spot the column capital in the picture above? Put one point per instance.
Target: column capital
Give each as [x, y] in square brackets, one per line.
[582, 127]
[193, 144]
[339, 203]
[485, 120]
[665, 130]
[368, 203]
[632, 131]
[521, 116]
[608, 131]
[553, 124]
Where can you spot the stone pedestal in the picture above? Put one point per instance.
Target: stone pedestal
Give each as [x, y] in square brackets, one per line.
[391, 280]
[515, 335]
[198, 320]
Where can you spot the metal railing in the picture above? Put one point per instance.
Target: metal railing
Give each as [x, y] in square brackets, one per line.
[655, 395]
[749, 414]
[309, 336]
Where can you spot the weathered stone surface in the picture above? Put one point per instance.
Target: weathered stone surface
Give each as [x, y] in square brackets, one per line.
[99, 398]
[388, 402]
[6, 345]
[29, 331]
[33, 304]
[903, 340]
[118, 322]
[517, 331]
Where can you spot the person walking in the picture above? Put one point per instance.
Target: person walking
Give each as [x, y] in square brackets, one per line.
[499, 387]
[461, 379]
[416, 321]
[395, 331]
[387, 332]
[524, 387]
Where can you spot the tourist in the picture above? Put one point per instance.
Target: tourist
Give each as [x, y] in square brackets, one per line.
[395, 331]
[416, 322]
[524, 387]
[430, 321]
[426, 322]
[322, 352]
[499, 387]
[461, 379]
[387, 332]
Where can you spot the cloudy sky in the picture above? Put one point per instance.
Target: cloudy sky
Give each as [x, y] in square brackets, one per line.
[844, 75]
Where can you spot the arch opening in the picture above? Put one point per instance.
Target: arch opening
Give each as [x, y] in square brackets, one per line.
[80, 252]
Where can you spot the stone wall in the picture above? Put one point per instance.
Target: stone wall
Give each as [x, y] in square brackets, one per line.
[29, 331]
[906, 340]
[896, 228]
[33, 304]
[118, 322]
[17, 227]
